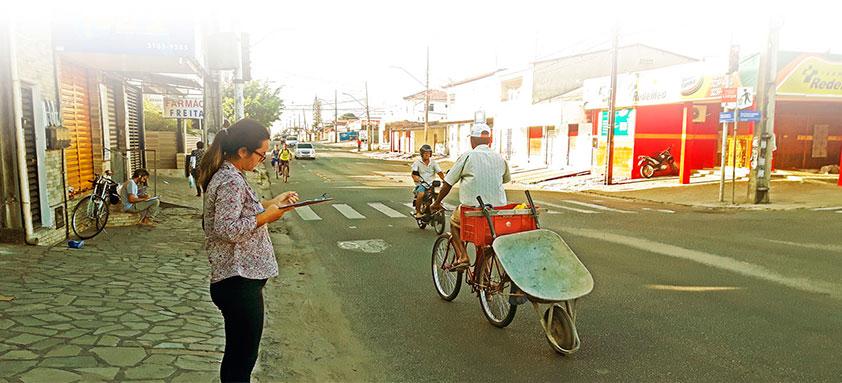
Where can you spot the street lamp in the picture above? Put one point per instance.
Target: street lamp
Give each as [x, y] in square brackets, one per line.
[367, 114]
[426, 95]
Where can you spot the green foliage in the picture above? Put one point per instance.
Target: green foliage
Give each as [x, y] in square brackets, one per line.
[153, 118]
[348, 116]
[262, 102]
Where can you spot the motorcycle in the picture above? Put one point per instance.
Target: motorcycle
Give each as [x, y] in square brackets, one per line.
[434, 219]
[662, 162]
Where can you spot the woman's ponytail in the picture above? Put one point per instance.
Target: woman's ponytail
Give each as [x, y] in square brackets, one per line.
[246, 133]
[212, 160]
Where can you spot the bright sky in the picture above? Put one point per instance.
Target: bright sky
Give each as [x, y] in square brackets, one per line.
[313, 47]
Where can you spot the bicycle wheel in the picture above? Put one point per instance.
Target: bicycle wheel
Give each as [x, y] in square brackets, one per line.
[447, 283]
[494, 291]
[437, 222]
[89, 217]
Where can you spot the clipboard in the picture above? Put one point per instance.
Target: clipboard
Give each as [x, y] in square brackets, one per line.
[305, 203]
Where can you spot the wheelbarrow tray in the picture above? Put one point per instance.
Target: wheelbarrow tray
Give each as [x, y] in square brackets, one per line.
[543, 266]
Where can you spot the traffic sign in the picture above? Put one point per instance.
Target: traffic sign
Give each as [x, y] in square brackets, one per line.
[726, 117]
[745, 97]
[749, 116]
[729, 95]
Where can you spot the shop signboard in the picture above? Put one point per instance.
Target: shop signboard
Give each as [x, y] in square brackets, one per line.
[813, 76]
[128, 36]
[183, 107]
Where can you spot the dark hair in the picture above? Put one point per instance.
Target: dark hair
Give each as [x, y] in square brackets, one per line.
[141, 172]
[246, 133]
[200, 144]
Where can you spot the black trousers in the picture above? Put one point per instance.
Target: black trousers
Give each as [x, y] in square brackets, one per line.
[241, 302]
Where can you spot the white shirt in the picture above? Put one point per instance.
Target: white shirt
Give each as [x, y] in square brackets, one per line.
[483, 174]
[427, 172]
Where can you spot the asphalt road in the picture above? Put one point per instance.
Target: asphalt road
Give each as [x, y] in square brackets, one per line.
[681, 294]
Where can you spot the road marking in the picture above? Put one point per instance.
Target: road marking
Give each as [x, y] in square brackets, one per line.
[659, 210]
[595, 206]
[693, 289]
[809, 285]
[348, 211]
[828, 208]
[816, 246]
[446, 206]
[539, 203]
[370, 246]
[307, 214]
[391, 213]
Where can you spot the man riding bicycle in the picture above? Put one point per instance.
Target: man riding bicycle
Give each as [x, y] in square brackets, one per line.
[424, 169]
[483, 173]
[283, 162]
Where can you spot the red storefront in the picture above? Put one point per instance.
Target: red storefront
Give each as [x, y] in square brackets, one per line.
[676, 108]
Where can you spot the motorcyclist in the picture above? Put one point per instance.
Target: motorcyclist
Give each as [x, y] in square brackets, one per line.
[424, 169]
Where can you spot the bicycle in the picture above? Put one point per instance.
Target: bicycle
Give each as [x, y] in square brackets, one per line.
[516, 262]
[91, 213]
[283, 169]
[435, 219]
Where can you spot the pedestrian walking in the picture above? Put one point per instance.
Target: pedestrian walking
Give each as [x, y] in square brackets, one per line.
[195, 159]
[237, 240]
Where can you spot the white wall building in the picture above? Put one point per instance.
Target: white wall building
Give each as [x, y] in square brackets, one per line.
[465, 98]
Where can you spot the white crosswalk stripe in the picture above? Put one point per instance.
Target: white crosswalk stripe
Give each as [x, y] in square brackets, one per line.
[348, 211]
[542, 203]
[391, 213]
[307, 214]
[447, 206]
[598, 207]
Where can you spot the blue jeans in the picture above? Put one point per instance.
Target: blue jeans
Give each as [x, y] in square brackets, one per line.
[420, 189]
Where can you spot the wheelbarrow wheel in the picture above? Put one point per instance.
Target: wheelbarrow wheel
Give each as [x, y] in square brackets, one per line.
[494, 292]
[560, 330]
[447, 282]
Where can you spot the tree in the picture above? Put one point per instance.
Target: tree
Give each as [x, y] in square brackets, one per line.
[348, 116]
[262, 102]
[153, 118]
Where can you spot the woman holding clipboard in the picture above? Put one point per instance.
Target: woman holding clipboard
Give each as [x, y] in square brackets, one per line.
[237, 240]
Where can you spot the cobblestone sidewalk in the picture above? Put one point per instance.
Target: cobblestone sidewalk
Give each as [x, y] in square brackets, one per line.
[133, 304]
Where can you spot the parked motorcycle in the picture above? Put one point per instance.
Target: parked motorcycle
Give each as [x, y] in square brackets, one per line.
[434, 219]
[660, 163]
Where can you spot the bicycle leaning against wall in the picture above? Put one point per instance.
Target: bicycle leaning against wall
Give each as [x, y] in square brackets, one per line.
[91, 213]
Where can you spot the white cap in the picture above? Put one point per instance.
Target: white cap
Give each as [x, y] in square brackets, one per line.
[480, 130]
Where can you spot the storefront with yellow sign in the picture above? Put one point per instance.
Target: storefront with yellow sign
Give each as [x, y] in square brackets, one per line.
[808, 118]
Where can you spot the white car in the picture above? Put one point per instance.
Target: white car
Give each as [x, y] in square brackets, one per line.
[304, 150]
[292, 141]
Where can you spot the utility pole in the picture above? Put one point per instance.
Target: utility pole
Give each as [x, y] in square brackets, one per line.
[733, 67]
[367, 117]
[335, 116]
[239, 103]
[764, 133]
[612, 109]
[427, 101]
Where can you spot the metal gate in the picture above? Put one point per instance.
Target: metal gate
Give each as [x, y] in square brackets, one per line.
[75, 112]
[31, 155]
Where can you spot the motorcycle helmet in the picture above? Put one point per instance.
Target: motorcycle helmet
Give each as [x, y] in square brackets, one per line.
[425, 148]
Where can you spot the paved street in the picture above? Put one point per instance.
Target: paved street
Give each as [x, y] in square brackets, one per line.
[681, 294]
